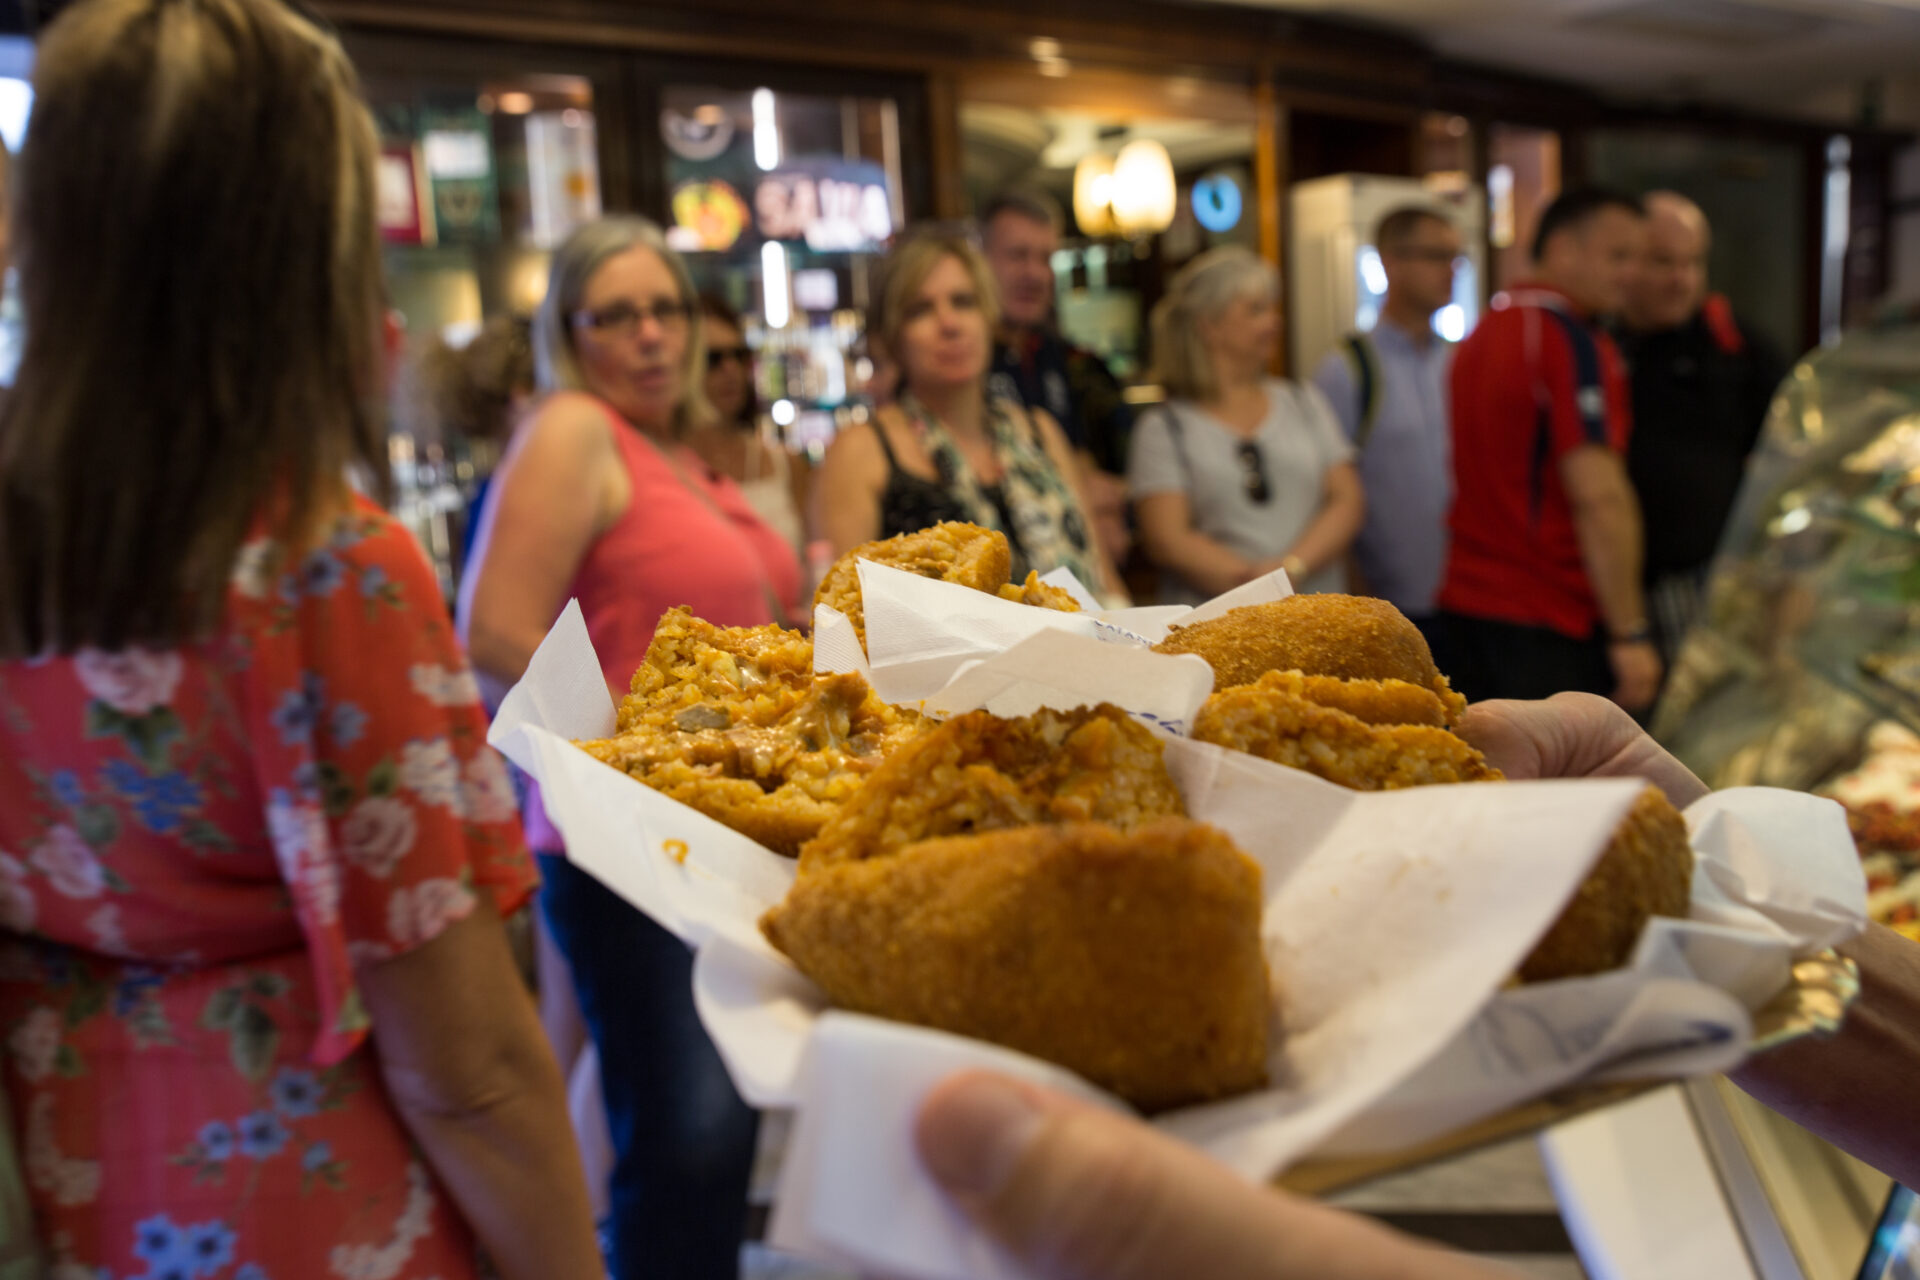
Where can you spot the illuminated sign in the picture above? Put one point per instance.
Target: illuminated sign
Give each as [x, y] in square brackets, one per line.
[711, 213]
[836, 206]
[1217, 202]
[701, 134]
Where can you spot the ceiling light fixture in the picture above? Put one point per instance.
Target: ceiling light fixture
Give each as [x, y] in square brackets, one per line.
[1093, 195]
[1144, 193]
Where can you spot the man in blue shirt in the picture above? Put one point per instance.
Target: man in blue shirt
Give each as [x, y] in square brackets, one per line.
[1389, 390]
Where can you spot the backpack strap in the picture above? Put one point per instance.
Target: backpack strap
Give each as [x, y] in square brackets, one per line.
[1718, 314]
[1365, 364]
[1178, 434]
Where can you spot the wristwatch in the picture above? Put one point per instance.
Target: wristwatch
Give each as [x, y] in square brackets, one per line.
[1639, 633]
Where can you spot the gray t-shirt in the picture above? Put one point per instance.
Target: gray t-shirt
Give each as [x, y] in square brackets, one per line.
[1180, 447]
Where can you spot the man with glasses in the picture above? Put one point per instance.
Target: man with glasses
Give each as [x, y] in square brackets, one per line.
[1542, 587]
[1389, 390]
[1036, 365]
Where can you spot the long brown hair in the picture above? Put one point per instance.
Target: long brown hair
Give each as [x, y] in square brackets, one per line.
[200, 280]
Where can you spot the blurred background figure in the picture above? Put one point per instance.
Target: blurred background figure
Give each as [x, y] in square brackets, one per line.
[599, 499]
[1701, 385]
[1239, 473]
[1035, 364]
[737, 442]
[1388, 387]
[243, 762]
[20, 1257]
[947, 448]
[478, 393]
[1542, 588]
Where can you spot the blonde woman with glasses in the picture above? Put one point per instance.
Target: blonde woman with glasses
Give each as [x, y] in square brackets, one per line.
[600, 500]
[1239, 473]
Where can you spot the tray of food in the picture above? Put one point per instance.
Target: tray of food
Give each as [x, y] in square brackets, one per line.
[1229, 867]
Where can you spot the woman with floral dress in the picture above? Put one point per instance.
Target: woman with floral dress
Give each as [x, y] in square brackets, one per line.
[259, 1014]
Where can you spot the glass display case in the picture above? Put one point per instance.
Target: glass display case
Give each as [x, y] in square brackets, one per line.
[1806, 671]
[1805, 674]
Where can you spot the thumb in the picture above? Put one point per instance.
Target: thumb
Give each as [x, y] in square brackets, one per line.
[1077, 1192]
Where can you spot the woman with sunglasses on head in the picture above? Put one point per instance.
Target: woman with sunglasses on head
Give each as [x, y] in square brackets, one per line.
[1239, 473]
[737, 442]
[946, 448]
[600, 500]
[260, 1011]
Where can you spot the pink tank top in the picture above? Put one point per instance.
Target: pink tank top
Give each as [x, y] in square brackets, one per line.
[673, 547]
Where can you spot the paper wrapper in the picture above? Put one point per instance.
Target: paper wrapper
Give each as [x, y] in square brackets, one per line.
[1392, 921]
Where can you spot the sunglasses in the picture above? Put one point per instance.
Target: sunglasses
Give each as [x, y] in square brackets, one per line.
[717, 356]
[1253, 472]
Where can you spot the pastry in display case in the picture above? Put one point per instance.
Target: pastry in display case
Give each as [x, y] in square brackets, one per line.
[1805, 671]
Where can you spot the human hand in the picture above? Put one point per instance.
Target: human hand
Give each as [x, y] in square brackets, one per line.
[1574, 735]
[1075, 1192]
[1636, 673]
[1296, 568]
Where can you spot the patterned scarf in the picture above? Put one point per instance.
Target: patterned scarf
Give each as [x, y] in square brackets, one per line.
[1033, 504]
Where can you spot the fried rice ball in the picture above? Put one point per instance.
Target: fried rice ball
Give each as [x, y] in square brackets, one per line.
[733, 722]
[1041, 595]
[1132, 958]
[1282, 717]
[951, 552]
[1646, 871]
[978, 772]
[1349, 637]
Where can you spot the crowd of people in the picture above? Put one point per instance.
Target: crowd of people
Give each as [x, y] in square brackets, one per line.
[260, 1012]
[1542, 498]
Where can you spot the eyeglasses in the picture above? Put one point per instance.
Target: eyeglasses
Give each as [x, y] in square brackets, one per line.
[717, 356]
[623, 319]
[1253, 472]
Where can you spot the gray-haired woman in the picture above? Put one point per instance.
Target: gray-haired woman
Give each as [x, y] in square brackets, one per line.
[1239, 473]
[599, 499]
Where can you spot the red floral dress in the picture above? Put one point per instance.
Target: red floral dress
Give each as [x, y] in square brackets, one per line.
[203, 846]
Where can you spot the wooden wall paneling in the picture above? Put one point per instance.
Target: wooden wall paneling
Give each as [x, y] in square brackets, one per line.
[947, 195]
[1135, 34]
[1271, 181]
[1814, 202]
[1479, 139]
[1119, 96]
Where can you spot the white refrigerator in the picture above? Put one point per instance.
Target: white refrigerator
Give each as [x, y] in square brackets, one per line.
[1335, 280]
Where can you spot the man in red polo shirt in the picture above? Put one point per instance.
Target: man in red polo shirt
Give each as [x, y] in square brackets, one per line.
[1542, 587]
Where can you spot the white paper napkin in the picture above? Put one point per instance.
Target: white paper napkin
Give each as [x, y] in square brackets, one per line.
[1392, 920]
[921, 631]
